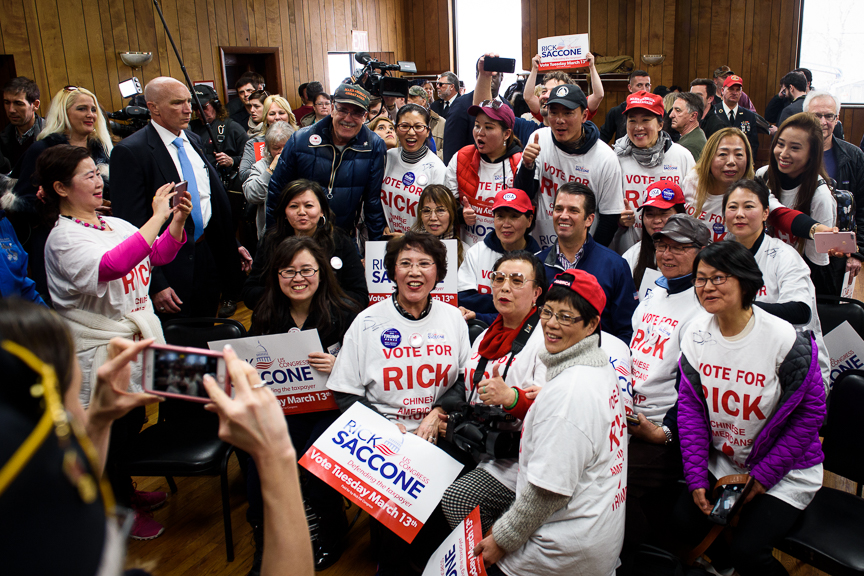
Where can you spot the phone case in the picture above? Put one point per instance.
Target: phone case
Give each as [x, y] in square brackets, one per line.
[842, 241]
[147, 371]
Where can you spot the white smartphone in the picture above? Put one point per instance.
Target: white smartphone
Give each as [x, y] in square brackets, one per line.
[178, 372]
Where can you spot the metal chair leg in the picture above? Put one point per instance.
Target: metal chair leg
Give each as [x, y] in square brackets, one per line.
[226, 508]
[171, 484]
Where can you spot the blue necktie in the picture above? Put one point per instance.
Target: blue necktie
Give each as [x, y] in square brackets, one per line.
[192, 187]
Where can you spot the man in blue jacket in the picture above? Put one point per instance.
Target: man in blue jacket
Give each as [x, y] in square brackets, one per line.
[572, 215]
[13, 265]
[342, 155]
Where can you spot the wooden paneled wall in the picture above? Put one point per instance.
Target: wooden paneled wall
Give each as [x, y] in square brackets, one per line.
[62, 42]
[429, 40]
[853, 124]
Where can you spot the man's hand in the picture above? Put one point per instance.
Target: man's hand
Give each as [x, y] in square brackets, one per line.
[647, 431]
[490, 551]
[167, 302]
[531, 152]
[480, 68]
[104, 209]
[468, 213]
[224, 160]
[245, 259]
[535, 62]
[627, 217]
[494, 392]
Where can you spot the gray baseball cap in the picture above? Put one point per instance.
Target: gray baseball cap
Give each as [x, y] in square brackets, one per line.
[685, 229]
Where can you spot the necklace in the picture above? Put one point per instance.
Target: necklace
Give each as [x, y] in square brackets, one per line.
[102, 225]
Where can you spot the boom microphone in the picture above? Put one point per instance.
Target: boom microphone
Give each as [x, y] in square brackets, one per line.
[363, 57]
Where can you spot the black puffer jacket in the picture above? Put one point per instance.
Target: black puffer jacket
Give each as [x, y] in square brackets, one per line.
[850, 176]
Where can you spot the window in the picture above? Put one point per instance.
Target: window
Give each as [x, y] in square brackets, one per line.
[487, 26]
[340, 65]
[831, 38]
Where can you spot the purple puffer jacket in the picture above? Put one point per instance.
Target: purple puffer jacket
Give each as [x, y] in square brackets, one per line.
[788, 441]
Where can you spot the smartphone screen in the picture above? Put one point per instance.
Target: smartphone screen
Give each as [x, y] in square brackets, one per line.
[179, 372]
[507, 65]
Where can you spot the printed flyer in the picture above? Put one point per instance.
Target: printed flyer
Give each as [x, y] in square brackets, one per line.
[282, 362]
[563, 52]
[455, 556]
[397, 478]
[380, 286]
[846, 350]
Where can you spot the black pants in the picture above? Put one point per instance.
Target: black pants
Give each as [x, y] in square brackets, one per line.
[823, 278]
[123, 432]
[324, 500]
[763, 522]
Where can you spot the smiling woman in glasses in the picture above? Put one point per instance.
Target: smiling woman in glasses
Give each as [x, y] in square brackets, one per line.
[410, 168]
[438, 211]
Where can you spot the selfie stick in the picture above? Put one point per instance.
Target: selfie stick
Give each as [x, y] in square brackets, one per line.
[188, 81]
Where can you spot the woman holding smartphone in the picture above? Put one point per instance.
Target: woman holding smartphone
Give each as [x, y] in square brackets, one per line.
[301, 293]
[746, 406]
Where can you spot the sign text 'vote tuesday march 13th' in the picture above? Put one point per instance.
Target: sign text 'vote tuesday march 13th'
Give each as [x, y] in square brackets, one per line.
[282, 362]
[397, 478]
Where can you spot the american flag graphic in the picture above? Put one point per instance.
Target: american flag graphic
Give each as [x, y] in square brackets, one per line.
[390, 447]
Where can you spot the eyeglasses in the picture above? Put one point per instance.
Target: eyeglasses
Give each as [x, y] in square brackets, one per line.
[661, 247]
[715, 280]
[289, 273]
[494, 104]
[322, 104]
[352, 113]
[439, 212]
[408, 265]
[562, 318]
[517, 279]
[828, 117]
[440, 84]
[418, 128]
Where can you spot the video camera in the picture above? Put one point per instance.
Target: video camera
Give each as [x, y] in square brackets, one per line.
[374, 79]
[133, 117]
[479, 429]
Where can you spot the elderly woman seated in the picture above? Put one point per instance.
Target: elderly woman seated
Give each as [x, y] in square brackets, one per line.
[255, 187]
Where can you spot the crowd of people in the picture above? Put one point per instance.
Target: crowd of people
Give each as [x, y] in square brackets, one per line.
[606, 267]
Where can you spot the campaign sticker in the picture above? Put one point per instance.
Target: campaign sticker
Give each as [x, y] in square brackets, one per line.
[416, 340]
[391, 338]
[294, 330]
[667, 194]
[422, 180]
[408, 179]
[719, 228]
[654, 193]
[509, 197]
[336, 263]
[315, 139]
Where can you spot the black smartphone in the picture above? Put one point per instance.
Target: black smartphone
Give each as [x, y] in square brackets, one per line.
[506, 65]
[727, 505]
[179, 188]
[632, 419]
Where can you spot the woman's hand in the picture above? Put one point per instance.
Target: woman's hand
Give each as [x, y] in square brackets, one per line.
[110, 399]
[535, 62]
[590, 57]
[757, 489]
[467, 314]
[182, 209]
[253, 420]
[647, 431]
[162, 201]
[442, 424]
[274, 162]
[702, 502]
[322, 362]
[428, 429]
[469, 216]
[532, 391]
[490, 550]
[494, 392]
[628, 216]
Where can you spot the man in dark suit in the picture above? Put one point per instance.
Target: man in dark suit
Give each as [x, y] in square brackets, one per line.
[164, 152]
[731, 114]
[448, 91]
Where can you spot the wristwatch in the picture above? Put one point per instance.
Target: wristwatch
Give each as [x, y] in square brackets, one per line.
[668, 433]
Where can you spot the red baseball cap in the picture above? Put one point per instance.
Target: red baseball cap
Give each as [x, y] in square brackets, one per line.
[513, 198]
[583, 284]
[733, 79]
[663, 194]
[645, 101]
[496, 110]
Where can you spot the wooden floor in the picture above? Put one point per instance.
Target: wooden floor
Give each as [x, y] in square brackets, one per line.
[194, 542]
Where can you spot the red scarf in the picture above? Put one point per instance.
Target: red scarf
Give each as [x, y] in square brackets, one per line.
[498, 340]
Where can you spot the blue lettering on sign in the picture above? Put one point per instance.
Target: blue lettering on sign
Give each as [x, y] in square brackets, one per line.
[408, 179]
[391, 338]
[379, 276]
[298, 374]
[853, 363]
[377, 463]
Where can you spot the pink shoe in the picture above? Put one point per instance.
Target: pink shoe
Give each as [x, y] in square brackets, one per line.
[146, 501]
[145, 527]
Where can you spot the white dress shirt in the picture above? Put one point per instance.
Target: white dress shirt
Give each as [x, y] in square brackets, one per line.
[202, 175]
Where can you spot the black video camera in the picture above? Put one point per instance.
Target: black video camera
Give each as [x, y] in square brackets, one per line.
[374, 79]
[479, 429]
[130, 119]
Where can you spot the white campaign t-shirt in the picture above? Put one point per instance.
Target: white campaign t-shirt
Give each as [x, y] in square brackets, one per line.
[712, 209]
[574, 443]
[493, 178]
[402, 366]
[403, 183]
[823, 209]
[677, 162]
[476, 267]
[787, 279]
[598, 169]
[631, 256]
[72, 256]
[525, 371]
[742, 391]
[655, 347]
[619, 358]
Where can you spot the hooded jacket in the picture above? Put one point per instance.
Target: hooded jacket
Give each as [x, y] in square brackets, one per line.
[351, 178]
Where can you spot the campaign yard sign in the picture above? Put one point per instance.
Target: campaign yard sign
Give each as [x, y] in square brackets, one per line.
[397, 478]
[380, 287]
[563, 52]
[846, 350]
[282, 362]
[455, 556]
